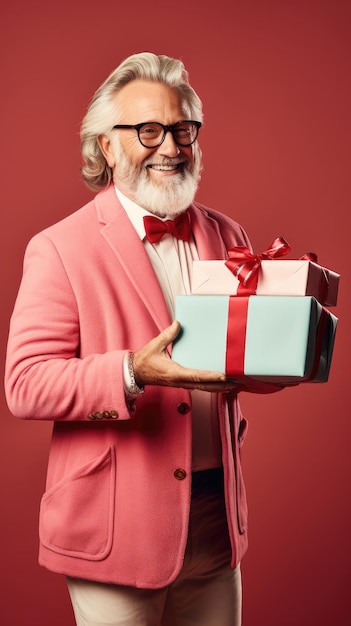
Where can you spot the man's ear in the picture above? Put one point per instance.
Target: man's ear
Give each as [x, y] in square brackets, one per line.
[106, 149]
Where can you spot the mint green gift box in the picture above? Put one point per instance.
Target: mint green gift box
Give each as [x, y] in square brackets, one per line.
[281, 341]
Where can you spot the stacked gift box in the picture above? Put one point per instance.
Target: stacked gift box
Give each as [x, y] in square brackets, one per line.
[259, 317]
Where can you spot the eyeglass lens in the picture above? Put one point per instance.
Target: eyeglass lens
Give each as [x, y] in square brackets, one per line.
[152, 134]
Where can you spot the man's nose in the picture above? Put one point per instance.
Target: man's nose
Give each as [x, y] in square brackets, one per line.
[169, 147]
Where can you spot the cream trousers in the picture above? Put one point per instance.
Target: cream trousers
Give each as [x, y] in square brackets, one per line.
[207, 591]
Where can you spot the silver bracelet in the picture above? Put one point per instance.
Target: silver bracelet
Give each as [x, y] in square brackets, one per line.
[133, 388]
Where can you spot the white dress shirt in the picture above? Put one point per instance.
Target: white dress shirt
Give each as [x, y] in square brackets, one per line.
[172, 261]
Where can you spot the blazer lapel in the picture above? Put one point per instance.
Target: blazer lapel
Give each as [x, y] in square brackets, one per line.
[120, 234]
[209, 242]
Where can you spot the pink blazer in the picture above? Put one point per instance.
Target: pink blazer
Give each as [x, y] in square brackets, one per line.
[116, 506]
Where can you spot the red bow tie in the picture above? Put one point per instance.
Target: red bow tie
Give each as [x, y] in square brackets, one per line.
[156, 228]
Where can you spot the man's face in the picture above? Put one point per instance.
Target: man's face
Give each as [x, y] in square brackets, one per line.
[164, 179]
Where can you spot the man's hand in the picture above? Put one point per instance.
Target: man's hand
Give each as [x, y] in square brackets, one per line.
[153, 366]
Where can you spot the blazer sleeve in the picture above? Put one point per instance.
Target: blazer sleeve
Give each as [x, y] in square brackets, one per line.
[45, 377]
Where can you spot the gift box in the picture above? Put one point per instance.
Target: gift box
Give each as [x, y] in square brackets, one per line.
[267, 338]
[279, 277]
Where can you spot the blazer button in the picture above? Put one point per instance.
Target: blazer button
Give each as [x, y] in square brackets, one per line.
[95, 416]
[183, 408]
[113, 414]
[179, 473]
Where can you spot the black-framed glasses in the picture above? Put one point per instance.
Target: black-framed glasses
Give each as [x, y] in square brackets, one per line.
[152, 134]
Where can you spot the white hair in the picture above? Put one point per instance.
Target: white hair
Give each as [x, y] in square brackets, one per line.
[101, 114]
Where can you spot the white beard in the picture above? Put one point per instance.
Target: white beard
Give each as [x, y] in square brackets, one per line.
[170, 198]
[174, 193]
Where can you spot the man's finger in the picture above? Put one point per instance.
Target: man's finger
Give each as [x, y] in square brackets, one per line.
[169, 334]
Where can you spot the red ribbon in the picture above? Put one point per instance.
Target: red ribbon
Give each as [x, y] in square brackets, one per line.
[245, 265]
[309, 256]
[236, 337]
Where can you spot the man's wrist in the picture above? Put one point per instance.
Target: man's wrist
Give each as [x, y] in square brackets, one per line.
[131, 387]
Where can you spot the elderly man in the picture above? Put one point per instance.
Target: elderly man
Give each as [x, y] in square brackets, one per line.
[145, 509]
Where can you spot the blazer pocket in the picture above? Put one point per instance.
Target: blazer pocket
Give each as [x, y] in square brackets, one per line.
[77, 514]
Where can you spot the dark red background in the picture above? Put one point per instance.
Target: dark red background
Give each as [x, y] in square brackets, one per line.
[274, 77]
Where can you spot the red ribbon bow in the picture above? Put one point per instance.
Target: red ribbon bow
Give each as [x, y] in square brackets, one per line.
[156, 228]
[309, 256]
[245, 265]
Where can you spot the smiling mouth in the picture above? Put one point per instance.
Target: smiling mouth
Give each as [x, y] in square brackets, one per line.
[166, 168]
